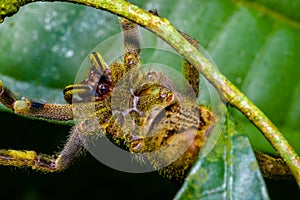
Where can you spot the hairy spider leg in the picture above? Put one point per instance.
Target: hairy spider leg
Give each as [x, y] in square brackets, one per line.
[32, 159]
[131, 39]
[60, 112]
[188, 70]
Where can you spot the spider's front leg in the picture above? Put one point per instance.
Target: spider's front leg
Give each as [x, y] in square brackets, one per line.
[26, 107]
[32, 159]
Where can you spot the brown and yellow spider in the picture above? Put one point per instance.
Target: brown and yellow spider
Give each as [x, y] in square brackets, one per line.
[151, 118]
[157, 115]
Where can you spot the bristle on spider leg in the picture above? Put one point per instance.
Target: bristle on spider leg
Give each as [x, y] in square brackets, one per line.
[72, 149]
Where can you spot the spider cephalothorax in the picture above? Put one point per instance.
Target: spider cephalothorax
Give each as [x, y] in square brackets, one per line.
[146, 114]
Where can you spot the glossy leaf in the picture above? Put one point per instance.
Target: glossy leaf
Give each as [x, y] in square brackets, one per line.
[228, 171]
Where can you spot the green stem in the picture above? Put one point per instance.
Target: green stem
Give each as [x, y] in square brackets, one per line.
[166, 31]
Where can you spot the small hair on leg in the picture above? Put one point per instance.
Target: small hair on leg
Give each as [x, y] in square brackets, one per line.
[60, 112]
[73, 148]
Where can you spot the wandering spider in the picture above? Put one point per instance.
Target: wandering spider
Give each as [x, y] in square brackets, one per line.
[146, 115]
[155, 121]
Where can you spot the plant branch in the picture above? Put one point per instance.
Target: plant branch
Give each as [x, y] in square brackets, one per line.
[163, 28]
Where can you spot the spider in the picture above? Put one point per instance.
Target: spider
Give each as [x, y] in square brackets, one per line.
[146, 115]
[152, 118]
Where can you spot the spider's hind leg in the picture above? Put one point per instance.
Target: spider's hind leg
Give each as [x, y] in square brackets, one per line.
[19, 158]
[131, 44]
[131, 57]
[46, 163]
[188, 70]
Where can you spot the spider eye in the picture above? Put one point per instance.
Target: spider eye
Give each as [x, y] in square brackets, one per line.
[104, 89]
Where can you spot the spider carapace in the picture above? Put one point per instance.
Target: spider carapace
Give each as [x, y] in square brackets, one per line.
[146, 114]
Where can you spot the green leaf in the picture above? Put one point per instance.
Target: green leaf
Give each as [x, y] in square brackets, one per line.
[261, 59]
[45, 43]
[228, 171]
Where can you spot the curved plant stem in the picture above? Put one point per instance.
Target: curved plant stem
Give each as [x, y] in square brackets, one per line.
[166, 31]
